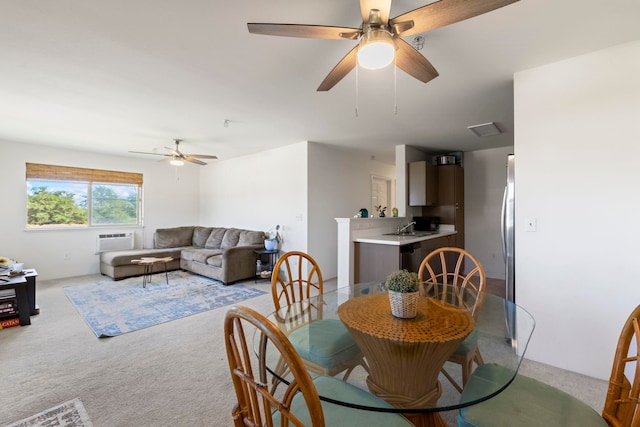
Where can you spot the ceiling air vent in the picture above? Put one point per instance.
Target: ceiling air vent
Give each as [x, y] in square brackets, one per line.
[485, 129]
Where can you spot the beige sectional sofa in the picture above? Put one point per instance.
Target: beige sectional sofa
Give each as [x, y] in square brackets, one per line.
[224, 254]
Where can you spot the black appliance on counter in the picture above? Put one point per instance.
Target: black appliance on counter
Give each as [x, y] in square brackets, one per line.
[426, 223]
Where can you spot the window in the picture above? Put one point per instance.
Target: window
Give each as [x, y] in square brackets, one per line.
[61, 196]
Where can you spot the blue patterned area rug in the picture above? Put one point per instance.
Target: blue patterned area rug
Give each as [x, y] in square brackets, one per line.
[113, 308]
[68, 414]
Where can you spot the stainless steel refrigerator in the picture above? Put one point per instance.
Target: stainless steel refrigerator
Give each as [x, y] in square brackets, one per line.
[508, 230]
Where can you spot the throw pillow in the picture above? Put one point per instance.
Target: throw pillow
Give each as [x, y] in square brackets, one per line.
[173, 237]
[215, 238]
[230, 239]
[200, 236]
[248, 238]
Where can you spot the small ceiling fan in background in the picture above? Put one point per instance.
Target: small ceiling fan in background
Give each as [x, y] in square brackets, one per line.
[379, 36]
[177, 158]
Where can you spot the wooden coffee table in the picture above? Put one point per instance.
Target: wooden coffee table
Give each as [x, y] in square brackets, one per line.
[148, 263]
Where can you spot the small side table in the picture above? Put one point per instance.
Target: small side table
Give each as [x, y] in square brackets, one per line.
[271, 257]
[148, 268]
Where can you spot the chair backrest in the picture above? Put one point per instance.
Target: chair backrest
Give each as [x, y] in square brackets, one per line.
[621, 404]
[299, 279]
[442, 275]
[256, 404]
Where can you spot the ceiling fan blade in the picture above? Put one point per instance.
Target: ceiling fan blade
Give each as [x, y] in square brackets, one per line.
[413, 63]
[202, 156]
[445, 12]
[193, 160]
[305, 31]
[341, 69]
[174, 152]
[154, 154]
[401, 27]
[384, 6]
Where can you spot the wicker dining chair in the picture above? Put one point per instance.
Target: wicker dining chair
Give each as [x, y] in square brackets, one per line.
[297, 277]
[454, 276]
[527, 402]
[300, 404]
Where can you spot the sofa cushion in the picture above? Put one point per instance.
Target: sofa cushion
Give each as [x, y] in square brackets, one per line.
[200, 236]
[248, 238]
[230, 239]
[173, 237]
[199, 255]
[215, 238]
[215, 260]
[119, 258]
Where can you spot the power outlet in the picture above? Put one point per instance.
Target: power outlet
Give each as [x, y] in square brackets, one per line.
[530, 224]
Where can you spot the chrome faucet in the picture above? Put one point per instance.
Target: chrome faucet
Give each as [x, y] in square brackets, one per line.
[403, 229]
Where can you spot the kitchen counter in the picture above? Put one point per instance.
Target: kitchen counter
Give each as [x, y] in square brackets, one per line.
[382, 239]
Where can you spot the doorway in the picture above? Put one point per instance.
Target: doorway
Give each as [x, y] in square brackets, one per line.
[382, 194]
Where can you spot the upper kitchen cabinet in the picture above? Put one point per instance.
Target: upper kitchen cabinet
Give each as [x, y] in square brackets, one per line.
[423, 184]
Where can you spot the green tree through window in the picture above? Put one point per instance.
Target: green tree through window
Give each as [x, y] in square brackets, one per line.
[54, 208]
[62, 196]
[114, 204]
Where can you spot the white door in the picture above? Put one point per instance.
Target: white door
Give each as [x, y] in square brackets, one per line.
[380, 194]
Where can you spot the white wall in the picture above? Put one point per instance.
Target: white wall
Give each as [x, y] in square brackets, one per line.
[258, 192]
[339, 186]
[485, 175]
[302, 187]
[577, 147]
[71, 252]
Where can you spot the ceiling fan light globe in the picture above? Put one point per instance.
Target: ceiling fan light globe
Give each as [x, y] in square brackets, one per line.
[176, 162]
[375, 56]
[377, 50]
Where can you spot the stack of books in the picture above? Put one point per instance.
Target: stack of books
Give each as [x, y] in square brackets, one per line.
[8, 309]
[8, 323]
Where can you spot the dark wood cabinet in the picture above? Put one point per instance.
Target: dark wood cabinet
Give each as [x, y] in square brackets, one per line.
[427, 246]
[374, 262]
[451, 193]
[423, 184]
[450, 207]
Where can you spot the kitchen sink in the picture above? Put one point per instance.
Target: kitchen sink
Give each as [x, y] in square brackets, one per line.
[413, 234]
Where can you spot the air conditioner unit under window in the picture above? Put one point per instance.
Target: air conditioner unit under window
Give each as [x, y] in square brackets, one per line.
[114, 242]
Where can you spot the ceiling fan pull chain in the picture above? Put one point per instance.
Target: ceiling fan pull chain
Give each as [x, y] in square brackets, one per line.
[395, 87]
[357, 90]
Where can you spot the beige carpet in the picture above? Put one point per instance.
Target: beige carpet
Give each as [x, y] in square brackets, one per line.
[173, 374]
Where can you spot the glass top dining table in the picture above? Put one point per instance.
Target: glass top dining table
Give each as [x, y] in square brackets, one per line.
[406, 357]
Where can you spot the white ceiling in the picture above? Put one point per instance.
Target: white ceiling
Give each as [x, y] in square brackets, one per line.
[118, 75]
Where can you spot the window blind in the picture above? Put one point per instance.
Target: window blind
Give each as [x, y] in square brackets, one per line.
[67, 173]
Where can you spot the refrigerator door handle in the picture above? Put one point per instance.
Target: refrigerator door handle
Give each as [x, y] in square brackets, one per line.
[503, 220]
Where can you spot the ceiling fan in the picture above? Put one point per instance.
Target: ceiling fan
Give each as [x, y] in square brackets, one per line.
[378, 33]
[177, 158]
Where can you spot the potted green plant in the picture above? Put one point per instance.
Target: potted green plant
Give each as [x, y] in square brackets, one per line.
[403, 288]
